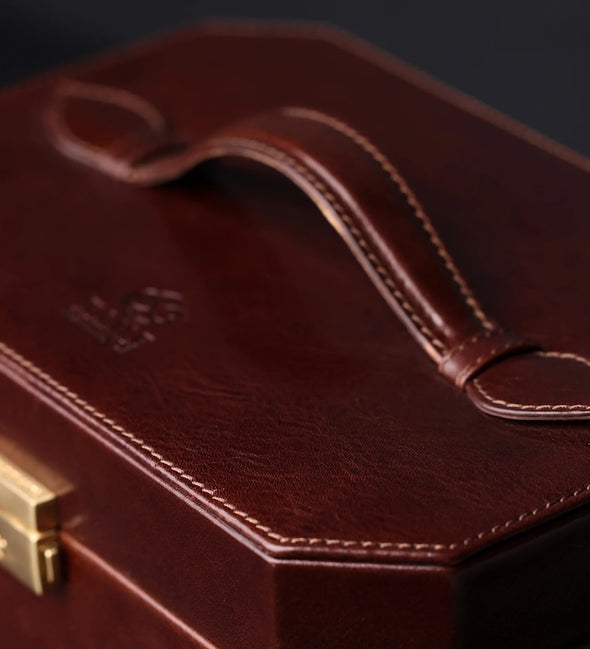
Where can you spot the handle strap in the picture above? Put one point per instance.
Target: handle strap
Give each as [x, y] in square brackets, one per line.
[358, 190]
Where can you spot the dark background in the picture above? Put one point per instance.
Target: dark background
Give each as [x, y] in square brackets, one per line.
[528, 58]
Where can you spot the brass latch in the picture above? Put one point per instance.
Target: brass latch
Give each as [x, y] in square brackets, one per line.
[29, 547]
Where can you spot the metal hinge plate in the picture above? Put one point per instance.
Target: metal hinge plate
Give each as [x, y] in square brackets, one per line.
[29, 546]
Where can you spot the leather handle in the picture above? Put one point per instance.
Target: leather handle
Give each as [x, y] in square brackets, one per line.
[372, 207]
[355, 186]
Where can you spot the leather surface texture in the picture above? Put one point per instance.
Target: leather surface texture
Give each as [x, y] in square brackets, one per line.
[369, 203]
[257, 446]
[100, 608]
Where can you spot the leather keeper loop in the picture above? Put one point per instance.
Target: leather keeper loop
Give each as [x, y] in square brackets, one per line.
[475, 353]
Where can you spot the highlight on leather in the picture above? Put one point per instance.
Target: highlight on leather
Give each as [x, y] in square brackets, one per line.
[371, 206]
[109, 129]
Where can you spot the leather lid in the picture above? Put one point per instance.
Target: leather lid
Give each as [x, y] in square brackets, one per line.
[281, 394]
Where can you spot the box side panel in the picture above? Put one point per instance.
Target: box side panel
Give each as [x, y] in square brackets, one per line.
[531, 593]
[535, 594]
[99, 608]
[340, 606]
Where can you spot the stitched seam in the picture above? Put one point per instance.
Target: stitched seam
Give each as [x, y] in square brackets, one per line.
[465, 291]
[410, 197]
[129, 101]
[574, 357]
[397, 68]
[72, 398]
[519, 406]
[470, 341]
[369, 53]
[460, 99]
[497, 528]
[369, 253]
[491, 354]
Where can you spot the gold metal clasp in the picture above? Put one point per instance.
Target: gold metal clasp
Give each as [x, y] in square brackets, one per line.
[29, 547]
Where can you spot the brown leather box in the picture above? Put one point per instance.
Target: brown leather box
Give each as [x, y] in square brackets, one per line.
[214, 431]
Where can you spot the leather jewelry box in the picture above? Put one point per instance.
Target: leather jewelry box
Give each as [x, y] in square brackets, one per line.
[214, 431]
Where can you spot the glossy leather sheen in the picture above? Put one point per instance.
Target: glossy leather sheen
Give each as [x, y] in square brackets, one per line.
[369, 204]
[252, 439]
[100, 608]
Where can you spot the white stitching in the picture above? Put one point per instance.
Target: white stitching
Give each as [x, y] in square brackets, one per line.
[470, 341]
[135, 104]
[30, 369]
[395, 67]
[574, 357]
[519, 406]
[460, 99]
[279, 155]
[350, 43]
[409, 195]
[488, 354]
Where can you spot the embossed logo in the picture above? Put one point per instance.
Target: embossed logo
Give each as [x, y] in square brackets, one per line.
[133, 322]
